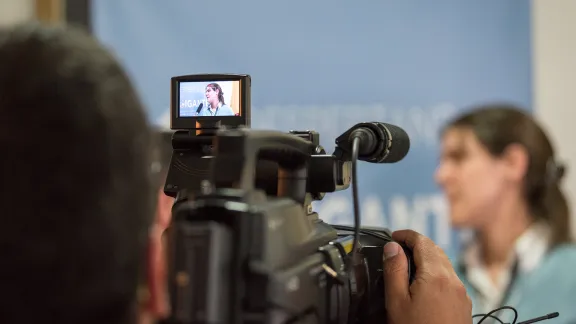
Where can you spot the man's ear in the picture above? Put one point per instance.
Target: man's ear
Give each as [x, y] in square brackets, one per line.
[158, 302]
[516, 162]
[164, 210]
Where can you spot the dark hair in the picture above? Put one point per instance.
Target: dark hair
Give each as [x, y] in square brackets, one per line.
[75, 192]
[216, 87]
[497, 126]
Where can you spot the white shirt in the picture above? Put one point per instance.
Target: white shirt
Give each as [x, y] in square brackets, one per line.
[529, 250]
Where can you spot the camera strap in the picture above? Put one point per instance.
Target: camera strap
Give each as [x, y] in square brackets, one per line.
[215, 112]
[210, 110]
[513, 278]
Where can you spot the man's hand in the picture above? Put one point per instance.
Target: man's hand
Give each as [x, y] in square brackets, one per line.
[436, 296]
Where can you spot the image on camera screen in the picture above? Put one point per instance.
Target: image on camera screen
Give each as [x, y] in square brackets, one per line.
[209, 99]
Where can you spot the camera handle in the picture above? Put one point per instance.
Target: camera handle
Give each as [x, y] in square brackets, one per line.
[238, 150]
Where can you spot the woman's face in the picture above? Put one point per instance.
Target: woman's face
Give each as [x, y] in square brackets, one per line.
[472, 179]
[211, 94]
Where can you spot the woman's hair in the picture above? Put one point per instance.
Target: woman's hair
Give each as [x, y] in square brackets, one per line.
[497, 127]
[214, 87]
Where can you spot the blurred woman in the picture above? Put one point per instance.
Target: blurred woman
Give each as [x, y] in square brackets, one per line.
[500, 175]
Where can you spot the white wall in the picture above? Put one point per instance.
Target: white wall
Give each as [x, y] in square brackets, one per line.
[15, 11]
[554, 66]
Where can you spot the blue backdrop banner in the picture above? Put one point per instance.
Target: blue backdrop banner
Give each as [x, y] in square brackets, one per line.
[325, 65]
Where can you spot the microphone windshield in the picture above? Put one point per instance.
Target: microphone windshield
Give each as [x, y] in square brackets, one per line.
[378, 142]
[399, 143]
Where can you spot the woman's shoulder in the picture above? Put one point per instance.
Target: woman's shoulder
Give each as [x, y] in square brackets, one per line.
[564, 249]
[564, 253]
[227, 109]
[555, 275]
[561, 260]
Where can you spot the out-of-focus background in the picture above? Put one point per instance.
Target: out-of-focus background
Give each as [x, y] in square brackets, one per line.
[326, 65]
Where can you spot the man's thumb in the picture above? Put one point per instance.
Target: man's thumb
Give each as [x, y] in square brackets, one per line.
[396, 282]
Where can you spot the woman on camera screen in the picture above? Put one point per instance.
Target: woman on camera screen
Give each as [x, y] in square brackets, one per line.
[216, 104]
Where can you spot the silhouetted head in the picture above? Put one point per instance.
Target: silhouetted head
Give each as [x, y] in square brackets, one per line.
[76, 195]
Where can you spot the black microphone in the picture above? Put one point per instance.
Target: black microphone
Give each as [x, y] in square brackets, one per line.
[530, 321]
[541, 318]
[379, 142]
[199, 108]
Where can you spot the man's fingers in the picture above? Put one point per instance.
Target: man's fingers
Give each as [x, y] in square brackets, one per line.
[426, 256]
[409, 237]
[396, 285]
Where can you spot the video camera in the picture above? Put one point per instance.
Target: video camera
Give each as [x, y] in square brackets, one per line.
[245, 245]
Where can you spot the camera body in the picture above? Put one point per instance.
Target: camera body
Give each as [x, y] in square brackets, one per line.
[246, 246]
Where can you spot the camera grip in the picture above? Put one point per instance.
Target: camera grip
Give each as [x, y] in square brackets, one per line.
[238, 150]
